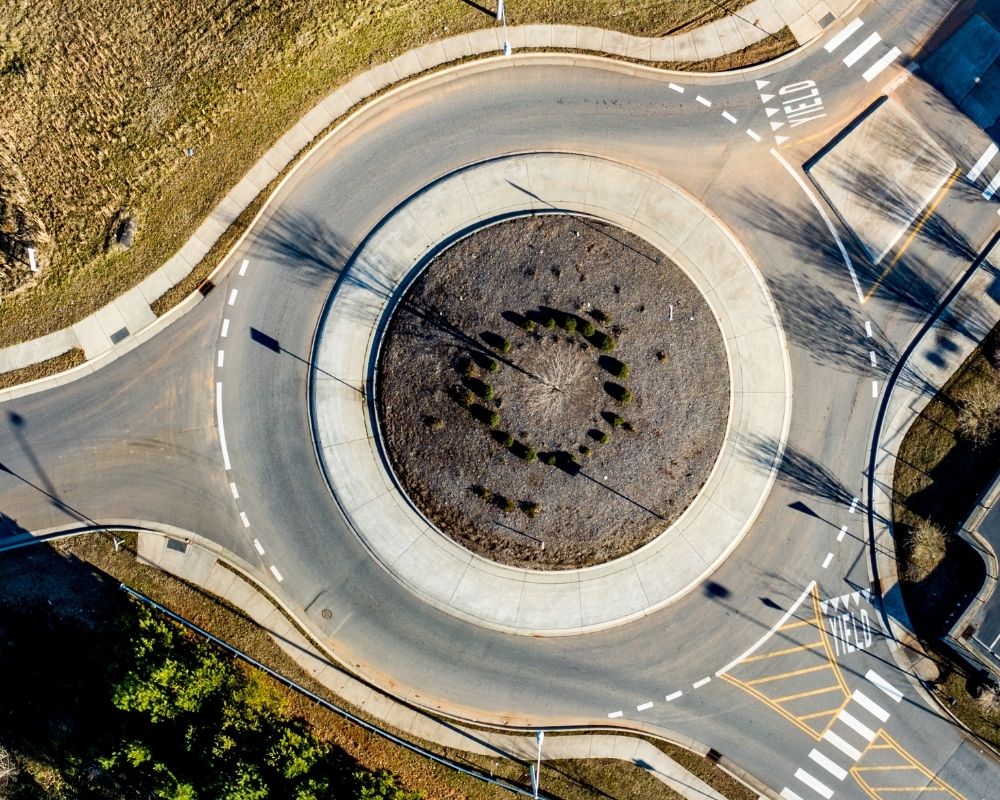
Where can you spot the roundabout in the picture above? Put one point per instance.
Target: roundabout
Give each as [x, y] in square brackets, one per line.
[393, 529]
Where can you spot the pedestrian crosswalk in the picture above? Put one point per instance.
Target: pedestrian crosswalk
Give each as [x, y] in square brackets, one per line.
[862, 51]
[986, 166]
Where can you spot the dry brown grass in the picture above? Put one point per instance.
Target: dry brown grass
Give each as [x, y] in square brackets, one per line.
[99, 98]
[43, 369]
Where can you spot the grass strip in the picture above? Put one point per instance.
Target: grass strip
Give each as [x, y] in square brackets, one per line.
[43, 369]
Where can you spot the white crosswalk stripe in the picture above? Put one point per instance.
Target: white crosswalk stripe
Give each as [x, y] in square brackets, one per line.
[829, 765]
[876, 69]
[859, 52]
[983, 162]
[843, 36]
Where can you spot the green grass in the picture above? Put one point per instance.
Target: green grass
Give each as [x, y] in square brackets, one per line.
[100, 97]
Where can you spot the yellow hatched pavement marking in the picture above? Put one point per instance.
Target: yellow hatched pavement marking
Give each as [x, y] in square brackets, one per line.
[867, 777]
[814, 723]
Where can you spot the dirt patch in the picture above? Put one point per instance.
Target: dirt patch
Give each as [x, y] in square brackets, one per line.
[553, 380]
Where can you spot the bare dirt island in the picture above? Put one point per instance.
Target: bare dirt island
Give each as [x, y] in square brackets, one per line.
[552, 392]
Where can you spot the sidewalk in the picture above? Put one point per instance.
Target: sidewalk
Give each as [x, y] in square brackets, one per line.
[188, 560]
[107, 332]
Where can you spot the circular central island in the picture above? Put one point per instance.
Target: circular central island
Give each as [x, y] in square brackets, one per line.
[552, 392]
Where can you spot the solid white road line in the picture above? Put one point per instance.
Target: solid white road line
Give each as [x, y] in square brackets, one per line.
[704, 101]
[851, 752]
[232, 488]
[276, 574]
[848, 31]
[644, 706]
[873, 71]
[243, 518]
[756, 645]
[753, 135]
[827, 560]
[728, 117]
[258, 547]
[816, 785]
[243, 267]
[674, 695]
[676, 88]
[881, 683]
[615, 714]
[222, 428]
[983, 162]
[232, 296]
[788, 794]
[225, 328]
[990, 190]
[843, 532]
[870, 705]
[222, 358]
[856, 725]
[829, 224]
[858, 52]
[702, 682]
[829, 765]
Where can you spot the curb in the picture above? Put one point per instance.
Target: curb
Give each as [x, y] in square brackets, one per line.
[343, 104]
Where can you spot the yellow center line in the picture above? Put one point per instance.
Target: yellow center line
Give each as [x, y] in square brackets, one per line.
[916, 229]
[785, 652]
[792, 674]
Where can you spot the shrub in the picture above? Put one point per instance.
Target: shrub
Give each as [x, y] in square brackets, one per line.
[569, 323]
[531, 508]
[585, 451]
[588, 329]
[529, 325]
[434, 423]
[617, 421]
[925, 546]
[504, 345]
[605, 437]
[494, 419]
[550, 324]
[979, 411]
[509, 505]
[623, 370]
[482, 492]
[530, 455]
[488, 392]
[507, 440]
[607, 344]
[469, 370]
[550, 459]
[625, 398]
[465, 398]
[628, 426]
[601, 316]
[492, 366]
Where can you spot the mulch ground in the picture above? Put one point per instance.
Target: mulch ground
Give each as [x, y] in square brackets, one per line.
[495, 418]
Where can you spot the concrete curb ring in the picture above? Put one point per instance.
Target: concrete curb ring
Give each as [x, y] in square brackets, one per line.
[428, 562]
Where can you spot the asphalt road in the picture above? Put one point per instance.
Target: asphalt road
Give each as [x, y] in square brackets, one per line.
[139, 439]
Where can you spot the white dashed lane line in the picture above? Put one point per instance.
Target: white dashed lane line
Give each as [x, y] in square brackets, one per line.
[222, 358]
[225, 328]
[871, 355]
[854, 506]
[827, 560]
[615, 714]
[276, 574]
[258, 547]
[644, 706]
[843, 532]
[868, 328]
[702, 682]
[729, 117]
[753, 134]
[243, 267]
[676, 88]
[244, 519]
[674, 695]
[874, 388]
[232, 488]
[704, 101]
[232, 296]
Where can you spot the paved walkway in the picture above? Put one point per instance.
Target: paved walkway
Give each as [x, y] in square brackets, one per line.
[433, 566]
[188, 559]
[113, 329]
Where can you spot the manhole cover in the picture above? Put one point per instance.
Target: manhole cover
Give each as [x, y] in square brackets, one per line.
[326, 613]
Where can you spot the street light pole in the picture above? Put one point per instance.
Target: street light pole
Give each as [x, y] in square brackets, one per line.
[499, 10]
[536, 772]
[502, 16]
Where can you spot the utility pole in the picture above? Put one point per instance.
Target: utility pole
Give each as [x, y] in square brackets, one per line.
[502, 17]
[536, 769]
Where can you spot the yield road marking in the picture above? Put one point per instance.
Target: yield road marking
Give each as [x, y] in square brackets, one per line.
[983, 162]
[873, 71]
[844, 35]
[858, 52]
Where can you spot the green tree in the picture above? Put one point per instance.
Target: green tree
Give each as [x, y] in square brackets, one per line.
[381, 785]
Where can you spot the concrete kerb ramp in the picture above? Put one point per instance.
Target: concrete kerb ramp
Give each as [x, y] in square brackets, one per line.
[429, 563]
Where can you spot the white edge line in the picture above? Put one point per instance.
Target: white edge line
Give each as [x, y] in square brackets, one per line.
[222, 428]
[674, 695]
[829, 224]
[756, 645]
